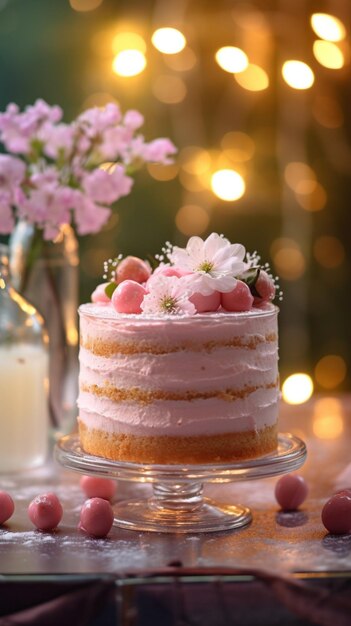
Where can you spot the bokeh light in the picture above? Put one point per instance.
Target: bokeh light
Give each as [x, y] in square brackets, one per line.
[328, 54]
[327, 111]
[128, 41]
[168, 40]
[98, 99]
[192, 183]
[253, 78]
[329, 251]
[328, 27]
[232, 59]
[330, 371]
[297, 388]
[192, 219]
[162, 172]
[297, 173]
[195, 160]
[129, 63]
[169, 89]
[311, 196]
[184, 61]
[298, 74]
[228, 185]
[288, 259]
[240, 145]
[328, 420]
[85, 5]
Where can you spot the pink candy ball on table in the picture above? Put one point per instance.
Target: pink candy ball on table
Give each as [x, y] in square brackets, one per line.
[239, 299]
[291, 491]
[7, 507]
[96, 517]
[95, 487]
[205, 304]
[99, 296]
[128, 297]
[336, 513]
[45, 511]
[133, 268]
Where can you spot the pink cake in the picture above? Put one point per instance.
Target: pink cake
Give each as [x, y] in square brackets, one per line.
[181, 386]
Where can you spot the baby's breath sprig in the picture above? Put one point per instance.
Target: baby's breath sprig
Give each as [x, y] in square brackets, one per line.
[166, 251]
[110, 267]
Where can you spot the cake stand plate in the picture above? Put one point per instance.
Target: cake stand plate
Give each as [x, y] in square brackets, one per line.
[177, 504]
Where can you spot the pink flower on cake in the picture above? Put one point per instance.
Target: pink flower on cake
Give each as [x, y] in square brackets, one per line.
[167, 295]
[214, 263]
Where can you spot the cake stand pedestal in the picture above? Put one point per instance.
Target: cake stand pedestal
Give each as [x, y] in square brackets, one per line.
[177, 504]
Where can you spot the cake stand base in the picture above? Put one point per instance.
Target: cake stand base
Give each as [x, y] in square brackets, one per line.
[177, 504]
[179, 508]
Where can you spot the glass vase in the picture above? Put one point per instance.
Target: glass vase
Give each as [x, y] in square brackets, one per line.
[47, 273]
[23, 380]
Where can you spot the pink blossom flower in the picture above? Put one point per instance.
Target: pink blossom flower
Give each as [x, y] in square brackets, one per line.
[17, 130]
[57, 177]
[159, 150]
[12, 173]
[89, 216]
[115, 142]
[106, 187]
[133, 119]
[214, 263]
[41, 111]
[7, 221]
[57, 140]
[96, 120]
[49, 207]
[167, 296]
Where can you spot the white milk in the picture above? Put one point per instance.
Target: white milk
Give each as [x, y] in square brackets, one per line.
[23, 406]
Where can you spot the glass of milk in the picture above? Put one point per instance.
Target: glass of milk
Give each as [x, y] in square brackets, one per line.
[24, 382]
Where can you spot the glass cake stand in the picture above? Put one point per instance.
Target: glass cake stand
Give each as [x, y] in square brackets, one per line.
[177, 504]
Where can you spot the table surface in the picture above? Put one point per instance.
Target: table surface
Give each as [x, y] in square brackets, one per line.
[283, 543]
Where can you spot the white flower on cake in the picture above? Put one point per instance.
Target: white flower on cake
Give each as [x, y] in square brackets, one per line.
[212, 264]
[167, 295]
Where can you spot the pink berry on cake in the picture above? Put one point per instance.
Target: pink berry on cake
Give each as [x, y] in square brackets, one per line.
[133, 268]
[169, 270]
[206, 304]
[128, 297]
[240, 299]
[265, 288]
[99, 295]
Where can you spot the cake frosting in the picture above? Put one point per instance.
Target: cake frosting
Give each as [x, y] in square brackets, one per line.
[178, 388]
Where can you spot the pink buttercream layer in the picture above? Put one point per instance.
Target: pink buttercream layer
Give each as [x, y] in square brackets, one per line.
[218, 368]
[168, 331]
[180, 418]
